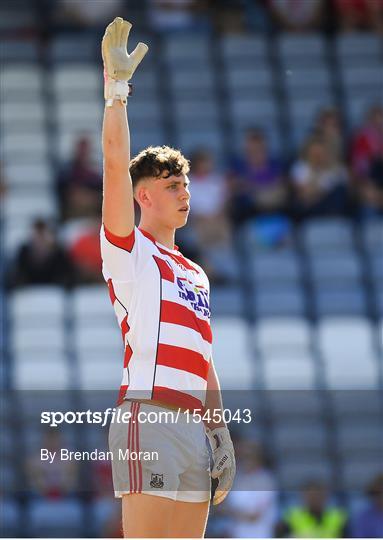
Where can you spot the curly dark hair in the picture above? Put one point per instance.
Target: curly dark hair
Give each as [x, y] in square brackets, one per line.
[154, 161]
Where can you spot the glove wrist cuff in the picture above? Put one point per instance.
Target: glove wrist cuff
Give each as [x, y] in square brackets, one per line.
[116, 90]
[219, 437]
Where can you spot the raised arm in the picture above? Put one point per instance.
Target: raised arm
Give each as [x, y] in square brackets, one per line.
[118, 207]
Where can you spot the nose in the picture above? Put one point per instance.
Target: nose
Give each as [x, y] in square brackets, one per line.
[185, 195]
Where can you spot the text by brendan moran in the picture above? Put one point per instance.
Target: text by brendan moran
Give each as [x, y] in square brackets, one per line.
[123, 454]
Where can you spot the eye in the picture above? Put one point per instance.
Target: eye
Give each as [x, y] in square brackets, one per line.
[172, 186]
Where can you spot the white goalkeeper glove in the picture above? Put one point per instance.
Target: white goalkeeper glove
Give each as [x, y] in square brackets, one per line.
[223, 461]
[119, 66]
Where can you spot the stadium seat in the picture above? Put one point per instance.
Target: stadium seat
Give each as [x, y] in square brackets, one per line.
[362, 46]
[11, 517]
[245, 80]
[300, 437]
[278, 300]
[358, 105]
[359, 438]
[91, 304]
[186, 48]
[27, 339]
[28, 205]
[33, 306]
[372, 235]
[22, 115]
[31, 147]
[308, 81]
[100, 370]
[339, 300]
[18, 51]
[278, 267]
[301, 49]
[184, 82]
[357, 474]
[86, 115]
[232, 354]
[226, 301]
[103, 339]
[243, 49]
[46, 517]
[340, 268]
[294, 473]
[16, 77]
[39, 369]
[29, 174]
[327, 235]
[73, 47]
[288, 371]
[291, 404]
[282, 334]
[77, 80]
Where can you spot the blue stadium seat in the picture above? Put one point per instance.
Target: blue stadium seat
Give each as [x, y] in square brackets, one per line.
[11, 518]
[327, 235]
[283, 334]
[18, 51]
[341, 299]
[56, 518]
[74, 47]
[279, 266]
[278, 300]
[343, 268]
[226, 301]
[244, 49]
[293, 474]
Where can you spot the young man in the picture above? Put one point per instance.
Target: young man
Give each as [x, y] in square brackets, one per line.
[161, 300]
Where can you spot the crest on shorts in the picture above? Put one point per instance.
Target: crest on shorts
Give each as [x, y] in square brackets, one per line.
[157, 480]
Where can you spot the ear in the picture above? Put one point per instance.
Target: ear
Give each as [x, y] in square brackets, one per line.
[142, 196]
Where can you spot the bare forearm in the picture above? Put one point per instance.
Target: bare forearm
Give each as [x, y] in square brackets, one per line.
[115, 136]
[118, 209]
[214, 400]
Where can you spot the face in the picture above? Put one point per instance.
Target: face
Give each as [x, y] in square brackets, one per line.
[165, 201]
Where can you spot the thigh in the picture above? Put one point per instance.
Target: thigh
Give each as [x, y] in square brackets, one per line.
[189, 519]
[146, 516]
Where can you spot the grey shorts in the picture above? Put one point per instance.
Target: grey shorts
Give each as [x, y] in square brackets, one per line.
[157, 453]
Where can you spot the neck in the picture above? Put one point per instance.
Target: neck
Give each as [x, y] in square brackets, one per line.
[163, 235]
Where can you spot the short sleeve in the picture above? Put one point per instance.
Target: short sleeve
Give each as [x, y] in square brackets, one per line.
[121, 255]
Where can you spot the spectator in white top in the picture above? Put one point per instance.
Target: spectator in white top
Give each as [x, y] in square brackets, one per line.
[252, 503]
[209, 193]
[320, 185]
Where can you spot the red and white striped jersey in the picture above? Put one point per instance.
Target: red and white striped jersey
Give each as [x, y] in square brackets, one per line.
[161, 300]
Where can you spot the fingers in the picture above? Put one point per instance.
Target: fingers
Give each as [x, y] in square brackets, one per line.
[126, 26]
[138, 54]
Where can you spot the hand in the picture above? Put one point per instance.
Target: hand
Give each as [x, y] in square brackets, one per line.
[118, 64]
[223, 461]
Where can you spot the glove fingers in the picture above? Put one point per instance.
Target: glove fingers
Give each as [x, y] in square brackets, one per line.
[138, 54]
[126, 26]
[219, 496]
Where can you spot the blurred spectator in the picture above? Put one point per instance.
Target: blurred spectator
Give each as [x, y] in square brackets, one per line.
[369, 522]
[257, 180]
[320, 185]
[368, 142]
[297, 15]
[80, 184]
[252, 502]
[359, 14]
[329, 128]
[41, 260]
[52, 480]
[86, 12]
[314, 518]
[370, 190]
[171, 15]
[84, 250]
[208, 190]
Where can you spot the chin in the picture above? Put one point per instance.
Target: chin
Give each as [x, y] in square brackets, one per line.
[181, 222]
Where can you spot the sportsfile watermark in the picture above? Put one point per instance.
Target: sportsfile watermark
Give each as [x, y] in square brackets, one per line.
[117, 415]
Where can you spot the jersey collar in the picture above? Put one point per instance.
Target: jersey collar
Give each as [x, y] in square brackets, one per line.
[151, 237]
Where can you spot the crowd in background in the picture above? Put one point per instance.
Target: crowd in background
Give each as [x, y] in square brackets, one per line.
[252, 509]
[331, 176]
[335, 173]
